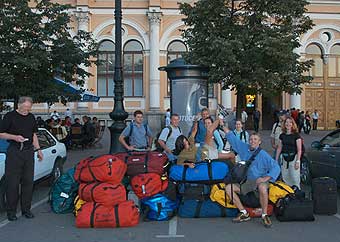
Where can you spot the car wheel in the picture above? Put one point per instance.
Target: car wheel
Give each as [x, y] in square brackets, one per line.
[305, 173]
[57, 171]
[2, 194]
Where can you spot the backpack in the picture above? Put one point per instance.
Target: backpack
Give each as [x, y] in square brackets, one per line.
[63, 193]
[159, 148]
[127, 138]
[243, 133]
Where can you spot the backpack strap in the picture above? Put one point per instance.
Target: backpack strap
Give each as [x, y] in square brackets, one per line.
[117, 216]
[253, 156]
[281, 187]
[198, 208]
[170, 132]
[244, 135]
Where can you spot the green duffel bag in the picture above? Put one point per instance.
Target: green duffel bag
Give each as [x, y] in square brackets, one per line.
[63, 193]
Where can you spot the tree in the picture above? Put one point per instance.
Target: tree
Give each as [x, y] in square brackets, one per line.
[249, 45]
[35, 46]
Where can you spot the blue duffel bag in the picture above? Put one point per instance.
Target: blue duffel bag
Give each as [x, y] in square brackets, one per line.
[209, 172]
[193, 190]
[204, 209]
[158, 208]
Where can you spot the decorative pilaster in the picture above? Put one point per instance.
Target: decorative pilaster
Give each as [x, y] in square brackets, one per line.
[295, 101]
[154, 21]
[82, 16]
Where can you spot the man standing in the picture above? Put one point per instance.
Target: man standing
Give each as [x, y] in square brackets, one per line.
[256, 116]
[88, 131]
[139, 135]
[168, 136]
[315, 117]
[19, 128]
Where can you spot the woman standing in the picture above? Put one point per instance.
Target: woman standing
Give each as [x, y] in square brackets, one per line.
[290, 150]
[308, 123]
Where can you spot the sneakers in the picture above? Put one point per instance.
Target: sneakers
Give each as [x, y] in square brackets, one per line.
[241, 217]
[266, 221]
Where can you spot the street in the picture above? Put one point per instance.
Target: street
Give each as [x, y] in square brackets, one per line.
[47, 226]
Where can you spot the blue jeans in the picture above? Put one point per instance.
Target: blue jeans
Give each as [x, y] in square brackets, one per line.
[172, 158]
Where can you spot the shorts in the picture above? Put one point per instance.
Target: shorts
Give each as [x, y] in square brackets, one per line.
[212, 152]
[249, 186]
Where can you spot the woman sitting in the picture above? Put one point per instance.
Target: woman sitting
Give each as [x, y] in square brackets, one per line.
[186, 149]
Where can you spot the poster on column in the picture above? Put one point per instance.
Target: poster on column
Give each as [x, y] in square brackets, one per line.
[188, 97]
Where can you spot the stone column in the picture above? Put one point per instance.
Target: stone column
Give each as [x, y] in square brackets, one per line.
[226, 98]
[295, 101]
[154, 20]
[82, 15]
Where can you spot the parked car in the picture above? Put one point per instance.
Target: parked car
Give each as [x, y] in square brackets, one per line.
[50, 167]
[323, 159]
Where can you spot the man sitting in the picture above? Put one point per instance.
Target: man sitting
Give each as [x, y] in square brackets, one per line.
[262, 170]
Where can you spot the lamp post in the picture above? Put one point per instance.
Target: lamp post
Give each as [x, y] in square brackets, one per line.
[118, 114]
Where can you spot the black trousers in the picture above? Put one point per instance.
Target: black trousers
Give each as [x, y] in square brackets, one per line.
[19, 169]
[315, 124]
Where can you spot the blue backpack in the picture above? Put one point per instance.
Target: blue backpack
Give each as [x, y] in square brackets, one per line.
[159, 208]
[63, 193]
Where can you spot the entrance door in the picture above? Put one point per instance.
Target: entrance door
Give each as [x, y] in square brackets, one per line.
[270, 104]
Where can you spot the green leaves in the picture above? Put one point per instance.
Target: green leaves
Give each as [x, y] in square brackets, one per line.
[34, 43]
[249, 45]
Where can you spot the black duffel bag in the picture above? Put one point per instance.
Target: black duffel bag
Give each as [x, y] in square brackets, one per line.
[294, 208]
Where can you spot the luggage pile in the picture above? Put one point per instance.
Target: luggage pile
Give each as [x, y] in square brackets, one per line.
[161, 193]
[101, 201]
[150, 185]
[194, 188]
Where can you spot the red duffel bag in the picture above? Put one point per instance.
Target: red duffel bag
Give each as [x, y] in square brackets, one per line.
[257, 212]
[144, 162]
[105, 168]
[96, 215]
[105, 193]
[147, 185]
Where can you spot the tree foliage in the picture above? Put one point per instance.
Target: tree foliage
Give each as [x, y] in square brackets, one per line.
[36, 45]
[249, 45]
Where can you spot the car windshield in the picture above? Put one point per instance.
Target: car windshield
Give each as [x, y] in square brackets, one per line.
[332, 140]
[3, 145]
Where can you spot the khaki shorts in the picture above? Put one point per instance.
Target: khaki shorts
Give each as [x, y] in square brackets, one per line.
[249, 186]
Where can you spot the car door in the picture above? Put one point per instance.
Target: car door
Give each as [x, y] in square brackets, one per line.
[42, 168]
[325, 159]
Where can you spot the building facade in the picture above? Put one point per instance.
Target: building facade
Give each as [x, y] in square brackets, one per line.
[151, 31]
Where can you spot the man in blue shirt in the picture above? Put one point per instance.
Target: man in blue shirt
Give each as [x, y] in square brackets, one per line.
[139, 135]
[263, 169]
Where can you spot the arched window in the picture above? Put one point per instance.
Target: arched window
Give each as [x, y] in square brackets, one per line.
[334, 62]
[314, 52]
[133, 69]
[175, 50]
[105, 68]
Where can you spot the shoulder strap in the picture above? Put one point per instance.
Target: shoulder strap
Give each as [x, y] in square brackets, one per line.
[170, 131]
[252, 157]
[281, 187]
[131, 128]
[277, 124]
[244, 135]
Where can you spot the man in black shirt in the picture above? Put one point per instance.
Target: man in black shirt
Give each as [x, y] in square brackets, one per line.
[19, 128]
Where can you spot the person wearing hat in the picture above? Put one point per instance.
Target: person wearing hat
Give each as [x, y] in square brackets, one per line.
[276, 131]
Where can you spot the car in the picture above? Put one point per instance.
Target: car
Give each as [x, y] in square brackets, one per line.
[50, 167]
[323, 159]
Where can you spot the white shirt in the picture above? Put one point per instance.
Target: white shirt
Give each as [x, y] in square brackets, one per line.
[315, 115]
